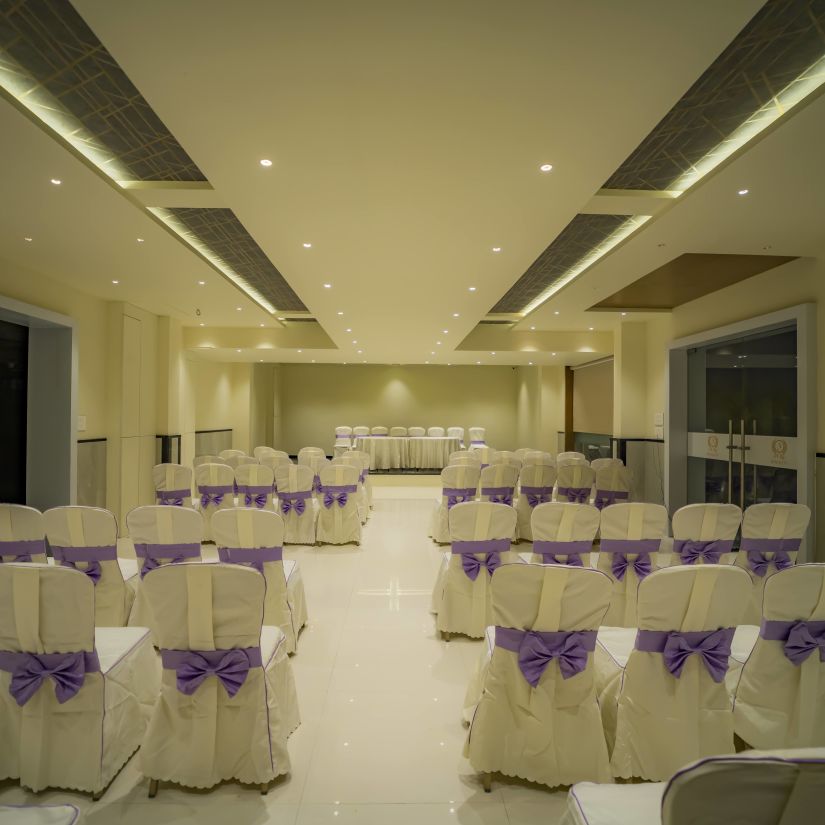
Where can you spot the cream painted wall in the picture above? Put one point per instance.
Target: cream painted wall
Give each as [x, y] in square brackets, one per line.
[317, 398]
[593, 399]
[528, 406]
[552, 408]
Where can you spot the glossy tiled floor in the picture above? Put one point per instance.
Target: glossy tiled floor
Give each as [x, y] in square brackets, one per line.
[380, 696]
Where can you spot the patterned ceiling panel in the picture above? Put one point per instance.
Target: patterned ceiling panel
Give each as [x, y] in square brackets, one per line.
[220, 231]
[51, 60]
[580, 237]
[780, 42]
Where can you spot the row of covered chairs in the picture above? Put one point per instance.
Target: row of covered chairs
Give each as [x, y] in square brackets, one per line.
[345, 436]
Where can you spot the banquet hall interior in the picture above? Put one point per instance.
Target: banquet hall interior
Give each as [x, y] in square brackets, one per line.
[412, 412]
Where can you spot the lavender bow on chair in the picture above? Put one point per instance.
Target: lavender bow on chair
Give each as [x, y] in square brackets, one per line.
[172, 497]
[192, 667]
[71, 556]
[550, 550]
[254, 557]
[458, 495]
[536, 649]
[756, 549]
[213, 494]
[499, 495]
[338, 493]
[621, 548]
[29, 671]
[255, 494]
[537, 495]
[801, 638]
[468, 550]
[579, 495]
[294, 501]
[604, 498]
[176, 553]
[676, 647]
[709, 552]
[22, 550]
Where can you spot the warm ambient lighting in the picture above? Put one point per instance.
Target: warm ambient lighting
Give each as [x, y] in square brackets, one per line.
[201, 324]
[201, 283]
[115, 282]
[260, 325]
[529, 363]
[432, 353]
[56, 181]
[360, 352]
[478, 362]
[307, 246]
[354, 341]
[445, 331]
[239, 309]
[496, 249]
[552, 353]
[237, 350]
[556, 312]
[300, 350]
[140, 240]
[265, 162]
[532, 328]
[743, 191]
[546, 167]
[27, 240]
[348, 329]
[327, 286]
[455, 315]
[438, 343]
[623, 314]
[591, 329]
[340, 313]
[472, 289]
[492, 353]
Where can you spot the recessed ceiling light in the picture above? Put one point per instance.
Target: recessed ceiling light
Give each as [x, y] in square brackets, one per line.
[438, 343]
[313, 360]
[445, 331]
[529, 363]
[300, 350]
[552, 353]
[556, 312]
[327, 286]
[426, 362]
[115, 282]
[348, 329]
[27, 240]
[340, 312]
[590, 328]
[140, 240]
[496, 249]
[492, 353]
[363, 362]
[56, 181]
[472, 289]
[260, 325]
[432, 353]
[740, 192]
[455, 315]
[201, 283]
[546, 167]
[360, 352]
[281, 318]
[265, 162]
[260, 360]
[237, 350]
[354, 341]
[532, 327]
[478, 362]
[201, 324]
[307, 246]
[623, 314]
[238, 309]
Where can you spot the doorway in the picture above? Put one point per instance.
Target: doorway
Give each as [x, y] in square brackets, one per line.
[14, 358]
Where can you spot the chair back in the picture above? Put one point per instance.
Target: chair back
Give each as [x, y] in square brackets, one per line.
[541, 476]
[459, 482]
[435, 432]
[215, 486]
[343, 434]
[465, 457]
[260, 452]
[165, 535]
[538, 457]
[498, 483]
[704, 533]
[235, 461]
[294, 478]
[275, 459]
[360, 431]
[456, 432]
[598, 463]
[22, 534]
[416, 432]
[522, 451]
[477, 436]
[505, 457]
[173, 484]
[206, 459]
[398, 432]
[563, 533]
[613, 484]
[379, 431]
[571, 456]
[574, 482]
[307, 454]
[224, 454]
[480, 521]
[339, 487]
[255, 486]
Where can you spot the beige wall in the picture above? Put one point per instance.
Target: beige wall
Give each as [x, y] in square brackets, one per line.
[593, 399]
[528, 406]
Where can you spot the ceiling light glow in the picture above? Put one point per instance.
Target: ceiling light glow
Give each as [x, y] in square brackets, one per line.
[496, 249]
[265, 162]
[327, 286]
[743, 191]
[56, 181]
[115, 282]
[307, 246]
[27, 240]
[546, 167]
[140, 240]
[472, 289]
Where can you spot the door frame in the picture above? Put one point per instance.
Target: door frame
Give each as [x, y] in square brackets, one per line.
[676, 454]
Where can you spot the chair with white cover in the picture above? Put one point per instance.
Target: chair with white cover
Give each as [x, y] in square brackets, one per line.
[498, 483]
[779, 697]
[306, 455]
[255, 538]
[215, 484]
[480, 535]
[85, 538]
[771, 537]
[662, 686]
[226, 454]
[39, 814]
[704, 533]
[22, 534]
[505, 457]
[754, 787]
[477, 437]
[538, 457]
[465, 457]
[563, 533]
[398, 432]
[74, 699]
[361, 489]
[227, 700]
[343, 440]
[416, 432]
[435, 432]
[255, 484]
[260, 452]
[173, 484]
[574, 482]
[459, 483]
[275, 459]
[235, 461]
[571, 456]
[630, 535]
[613, 484]
[536, 488]
[537, 716]
[317, 463]
[456, 432]
[522, 451]
[296, 503]
[379, 431]
[598, 463]
[484, 455]
[359, 432]
[339, 521]
[206, 459]
[364, 457]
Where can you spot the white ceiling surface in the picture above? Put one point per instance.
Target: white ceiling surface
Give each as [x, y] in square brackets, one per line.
[406, 138]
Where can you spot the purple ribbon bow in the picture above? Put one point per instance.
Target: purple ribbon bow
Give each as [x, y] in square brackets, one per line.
[621, 548]
[294, 501]
[579, 495]
[712, 646]
[172, 497]
[550, 550]
[537, 495]
[458, 495]
[604, 498]
[709, 552]
[536, 649]
[71, 556]
[29, 671]
[22, 550]
[176, 553]
[194, 666]
[255, 494]
[756, 549]
[213, 494]
[499, 495]
[254, 557]
[492, 550]
[337, 493]
[801, 638]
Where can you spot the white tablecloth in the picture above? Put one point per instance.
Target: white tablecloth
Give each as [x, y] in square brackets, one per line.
[392, 452]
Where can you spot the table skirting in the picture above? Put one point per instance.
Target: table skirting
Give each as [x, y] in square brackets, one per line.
[407, 452]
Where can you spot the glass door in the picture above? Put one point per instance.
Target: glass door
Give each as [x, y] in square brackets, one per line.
[743, 445]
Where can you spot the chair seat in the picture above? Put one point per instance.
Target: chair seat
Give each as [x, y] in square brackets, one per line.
[590, 803]
[39, 814]
[113, 644]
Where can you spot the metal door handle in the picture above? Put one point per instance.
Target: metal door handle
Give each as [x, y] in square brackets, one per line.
[742, 448]
[730, 459]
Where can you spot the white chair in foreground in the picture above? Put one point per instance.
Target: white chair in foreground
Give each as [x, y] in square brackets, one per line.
[480, 533]
[435, 432]
[416, 432]
[173, 484]
[227, 700]
[704, 533]
[771, 537]
[536, 487]
[574, 482]
[39, 815]
[74, 699]
[85, 538]
[260, 452]
[477, 436]
[563, 533]
[339, 521]
[22, 534]
[537, 715]
[456, 432]
[296, 503]
[398, 432]
[612, 482]
[343, 440]
[662, 687]
[255, 538]
[227, 454]
[255, 484]
[216, 490]
[779, 697]
[754, 787]
[631, 538]
[459, 483]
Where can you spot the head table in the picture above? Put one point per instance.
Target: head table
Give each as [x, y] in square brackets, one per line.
[388, 452]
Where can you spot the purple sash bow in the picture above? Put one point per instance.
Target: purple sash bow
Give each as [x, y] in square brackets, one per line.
[253, 556]
[536, 649]
[294, 501]
[458, 495]
[709, 552]
[337, 493]
[712, 646]
[621, 548]
[579, 495]
[550, 550]
[499, 495]
[29, 671]
[213, 493]
[176, 553]
[478, 443]
[194, 666]
[801, 638]
[172, 497]
[70, 556]
[604, 498]
[756, 549]
[255, 494]
[537, 495]
[492, 550]
[22, 550]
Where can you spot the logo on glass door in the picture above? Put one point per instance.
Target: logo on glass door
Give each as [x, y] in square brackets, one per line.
[779, 447]
[713, 445]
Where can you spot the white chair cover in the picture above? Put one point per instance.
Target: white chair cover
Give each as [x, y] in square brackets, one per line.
[275, 459]
[477, 436]
[256, 538]
[343, 440]
[538, 457]
[235, 461]
[416, 432]
[260, 452]
[361, 490]
[612, 483]
[661, 702]
[435, 432]
[297, 503]
[498, 483]
[364, 458]
[379, 431]
[81, 743]
[704, 533]
[307, 454]
[225, 454]
[461, 597]
[359, 431]
[207, 459]
[780, 694]
[398, 432]
[215, 486]
[571, 457]
[22, 534]
[574, 482]
[456, 432]
[565, 532]
[39, 815]
[505, 457]
[86, 538]
[599, 463]
[459, 483]
[255, 484]
[643, 524]
[173, 484]
[771, 535]
[203, 736]
[339, 521]
[754, 787]
[522, 451]
[465, 457]
[536, 487]
[536, 718]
